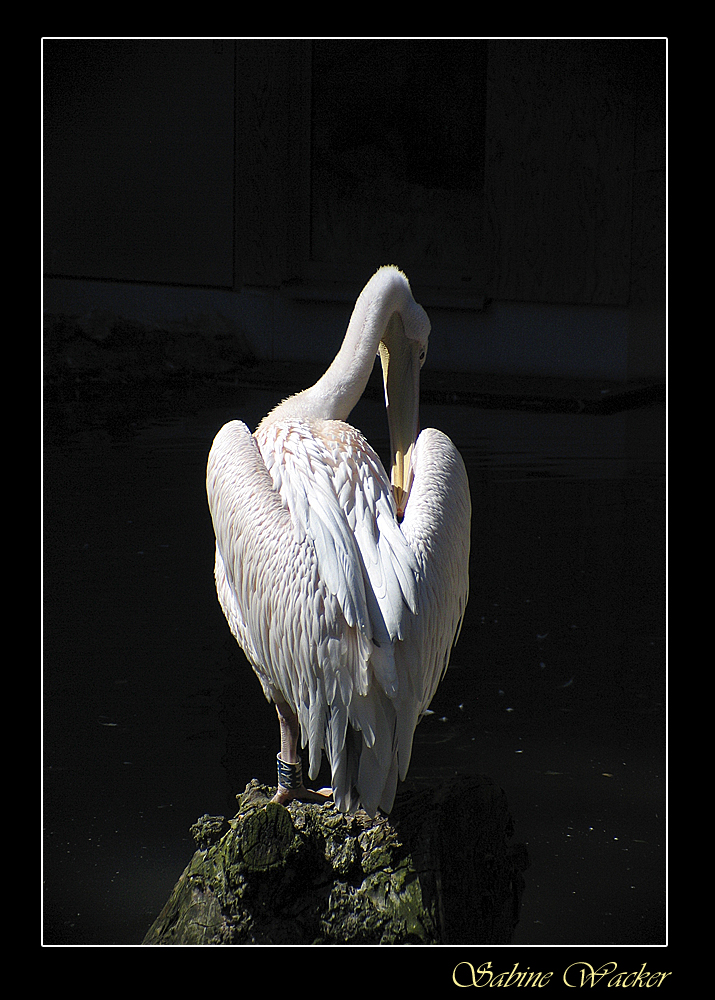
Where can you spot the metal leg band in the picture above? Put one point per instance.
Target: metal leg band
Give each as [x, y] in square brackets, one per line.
[289, 775]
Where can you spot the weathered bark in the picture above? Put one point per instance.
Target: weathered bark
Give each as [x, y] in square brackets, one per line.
[438, 870]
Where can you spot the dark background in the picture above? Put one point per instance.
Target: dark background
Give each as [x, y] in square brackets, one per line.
[211, 211]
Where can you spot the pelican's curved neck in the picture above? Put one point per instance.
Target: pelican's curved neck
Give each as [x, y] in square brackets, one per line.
[335, 394]
[344, 382]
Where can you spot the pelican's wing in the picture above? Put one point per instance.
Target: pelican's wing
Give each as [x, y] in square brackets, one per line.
[437, 527]
[289, 625]
[258, 562]
[316, 580]
[339, 498]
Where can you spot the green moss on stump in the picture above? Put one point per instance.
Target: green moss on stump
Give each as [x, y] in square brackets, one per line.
[308, 874]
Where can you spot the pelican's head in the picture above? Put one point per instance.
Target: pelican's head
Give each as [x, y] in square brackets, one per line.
[402, 358]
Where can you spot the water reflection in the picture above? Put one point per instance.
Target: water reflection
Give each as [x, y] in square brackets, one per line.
[555, 690]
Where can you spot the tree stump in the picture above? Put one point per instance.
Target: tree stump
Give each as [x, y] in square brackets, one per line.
[438, 870]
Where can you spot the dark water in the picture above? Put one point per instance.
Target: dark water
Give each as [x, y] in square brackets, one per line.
[556, 688]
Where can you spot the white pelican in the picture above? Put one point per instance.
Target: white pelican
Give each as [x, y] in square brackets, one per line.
[345, 592]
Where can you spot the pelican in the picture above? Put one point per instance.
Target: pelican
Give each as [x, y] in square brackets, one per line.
[346, 589]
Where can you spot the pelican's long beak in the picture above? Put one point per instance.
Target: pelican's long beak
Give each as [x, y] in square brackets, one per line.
[400, 359]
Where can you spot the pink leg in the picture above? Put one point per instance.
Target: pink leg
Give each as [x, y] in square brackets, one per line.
[289, 755]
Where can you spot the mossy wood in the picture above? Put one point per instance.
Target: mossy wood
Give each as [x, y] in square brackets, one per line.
[438, 870]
